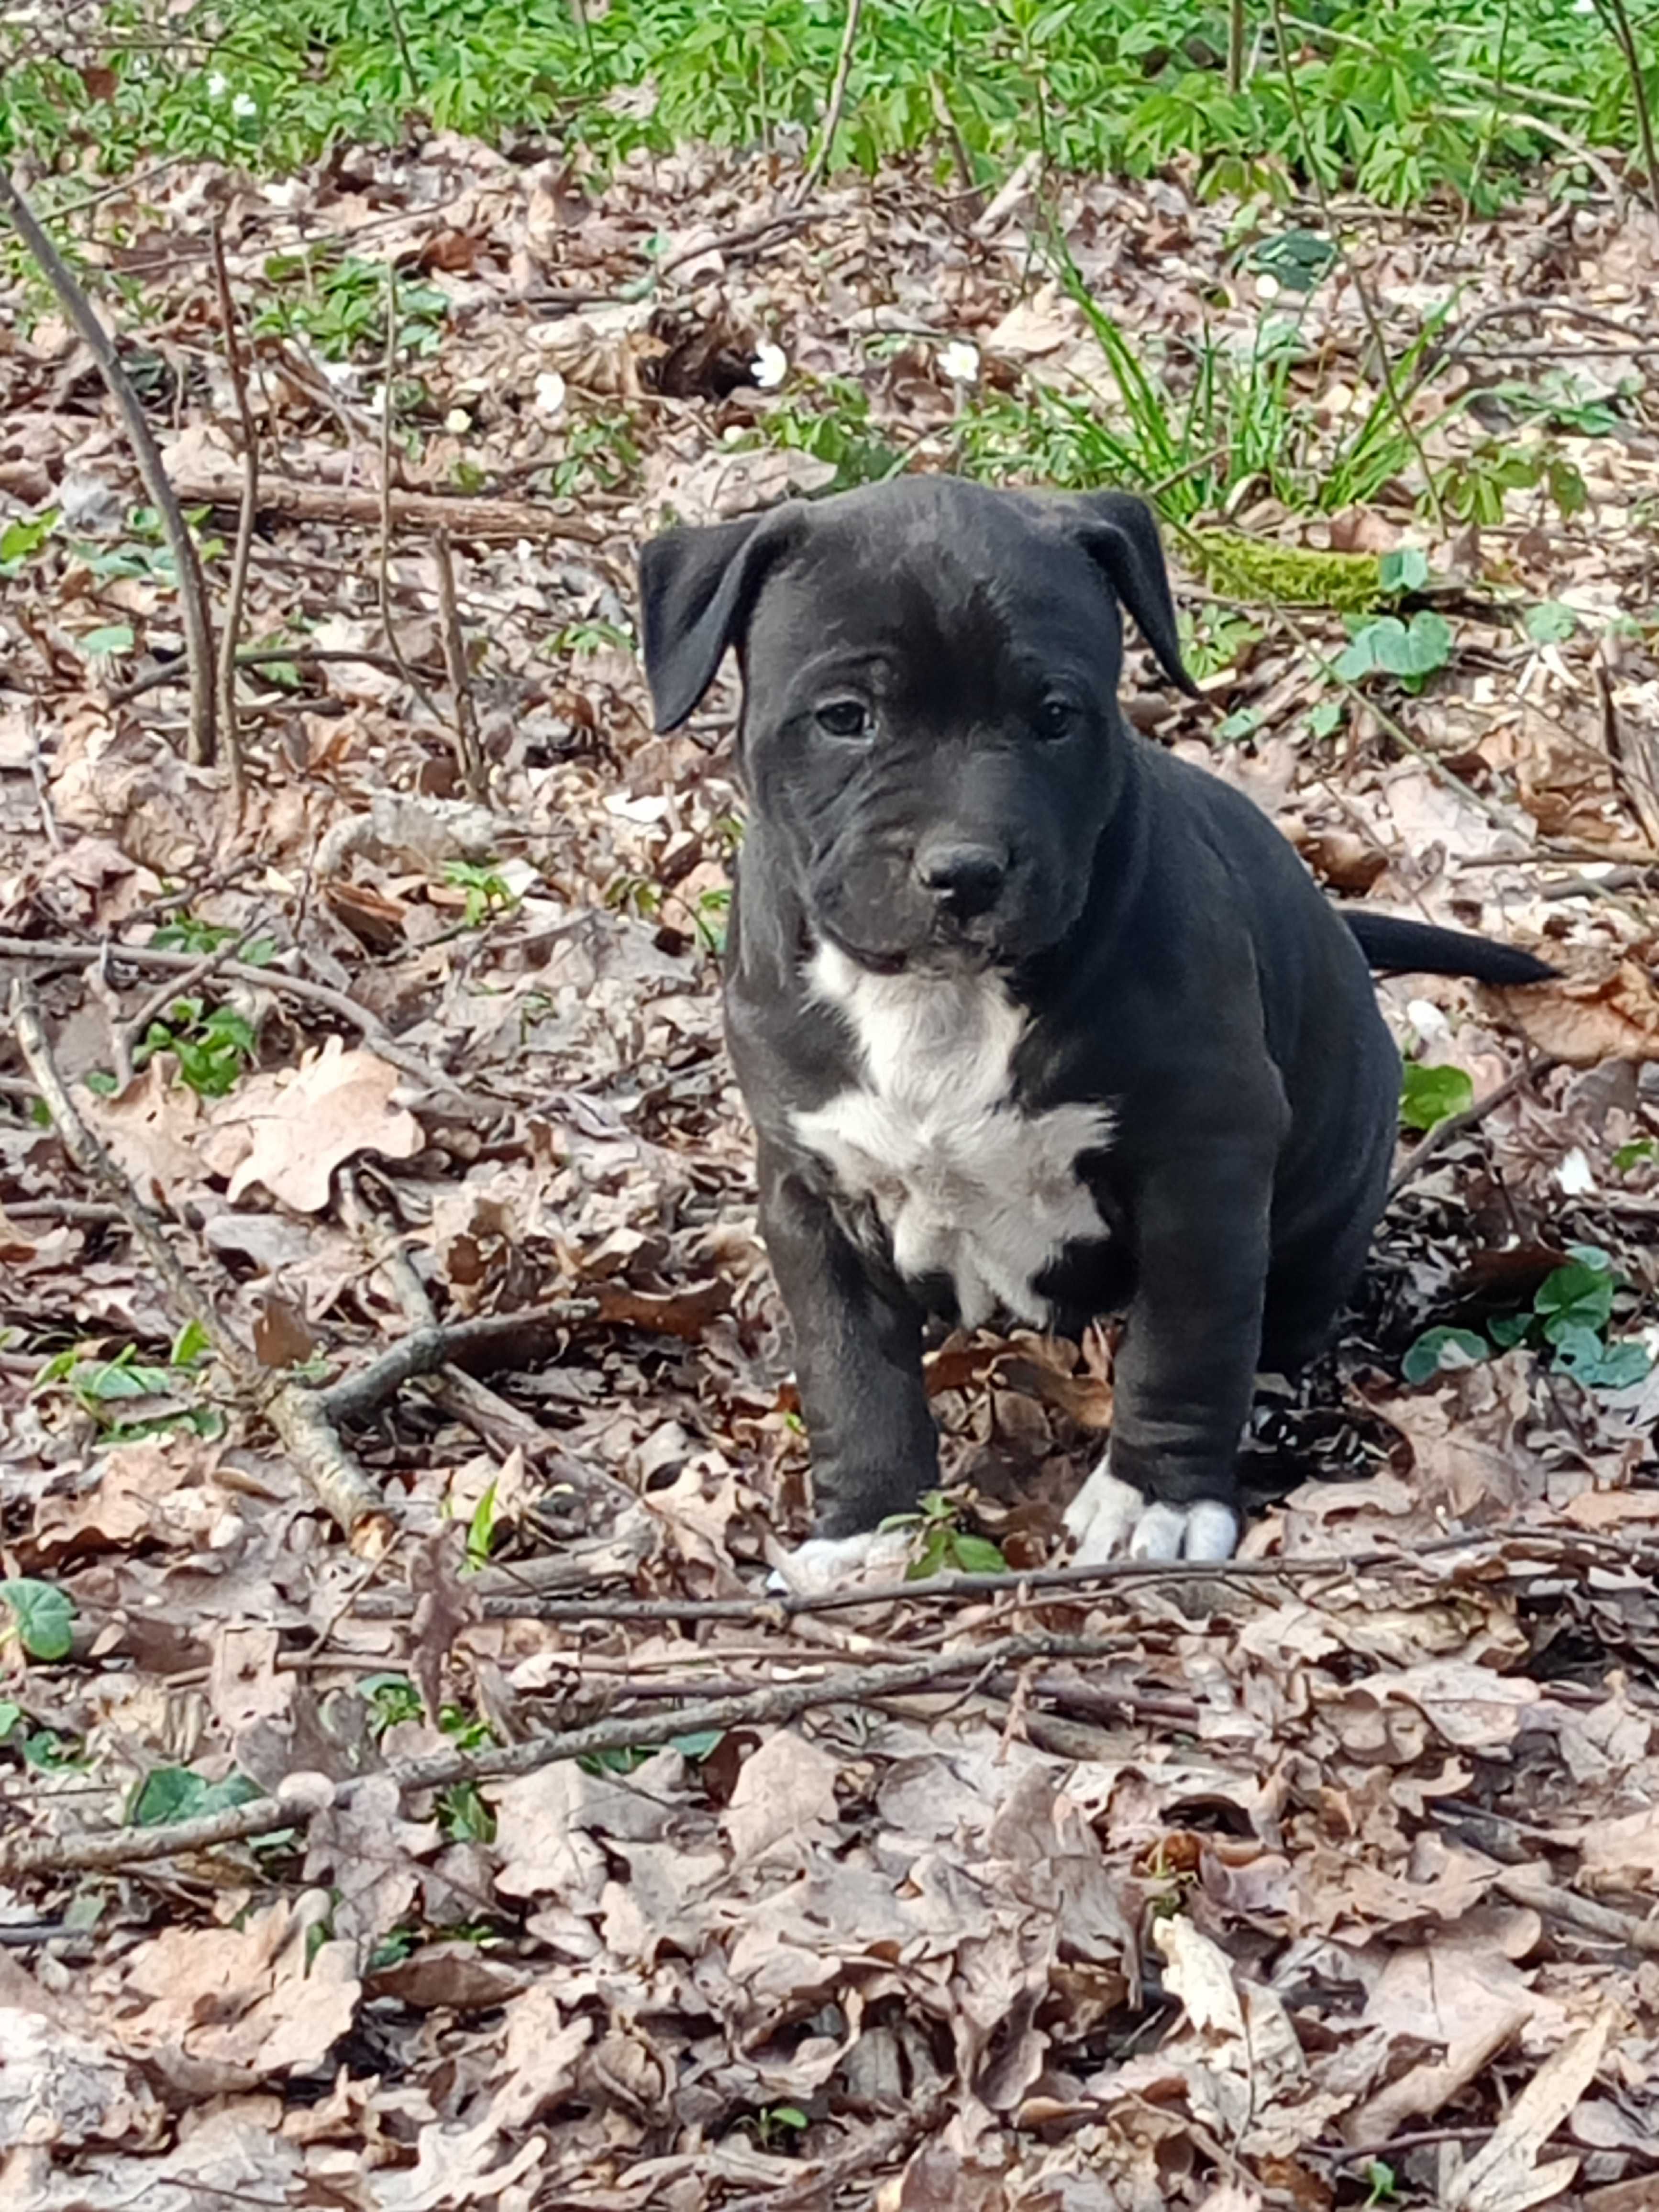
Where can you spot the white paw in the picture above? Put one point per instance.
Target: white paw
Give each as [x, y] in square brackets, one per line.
[1109, 1519]
[831, 1563]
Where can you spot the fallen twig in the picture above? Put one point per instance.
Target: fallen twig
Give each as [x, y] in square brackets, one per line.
[297, 1414]
[305, 1795]
[192, 590]
[438, 1344]
[1026, 1585]
[258, 657]
[1525, 1886]
[65, 952]
[483, 520]
[1458, 1125]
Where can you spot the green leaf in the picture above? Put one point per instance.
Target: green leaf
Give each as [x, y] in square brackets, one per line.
[167, 1794]
[1242, 723]
[978, 1555]
[1623, 1364]
[1424, 645]
[481, 1529]
[1442, 1352]
[1634, 1154]
[103, 644]
[190, 1345]
[1406, 569]
[1429, 1096]
[1325, 717]
[11, 1714]
[1507, 1330]
[698, 1746]
[787, 2115]
[1577, 1295]
[1551, 623]
[43, 1614]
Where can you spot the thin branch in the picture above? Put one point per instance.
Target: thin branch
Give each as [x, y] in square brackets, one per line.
[65, 952]
[1446, 1132]
[299, 1801]
[192, 590]
[1025, 1585]
[1618, 16]
[297, 1414]
[383, 569]
[832, 113]
[427, 1348]
[265, 656]
[237, 589]
[486, 519]
[468, 751]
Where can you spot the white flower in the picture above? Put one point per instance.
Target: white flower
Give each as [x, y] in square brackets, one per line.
[458, 422]
[1426, 1019]
[960, 362]
[244, 106]
[1267, 285]
[770, 366]
[550, 391]
[1574, 1175]
[218, 85]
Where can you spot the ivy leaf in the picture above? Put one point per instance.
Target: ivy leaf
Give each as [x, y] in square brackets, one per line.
[45, 1617]
[1442, 1352]
[1429, 1096]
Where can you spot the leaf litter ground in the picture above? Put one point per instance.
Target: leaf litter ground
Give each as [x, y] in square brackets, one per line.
[1307, 1882]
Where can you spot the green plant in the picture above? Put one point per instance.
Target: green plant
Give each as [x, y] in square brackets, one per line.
[1410, 651]
[1380, 2182]
[480, 1531]
[340, 305]
[99, 1387]
[829, 419]
[39, 1615]
[941, 1543]
[773, 2126]
[185, 934]
[1570, 1318]
[486, 892]
[1432, 1094]
[21, 539]
[167, 1794]
[212, 1047]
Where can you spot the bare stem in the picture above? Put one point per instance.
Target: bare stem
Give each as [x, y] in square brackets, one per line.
[832, 113]
[226, 676]
[192, 590]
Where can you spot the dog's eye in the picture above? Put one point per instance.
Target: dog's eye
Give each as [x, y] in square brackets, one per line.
[845, 718]
[1056, 718]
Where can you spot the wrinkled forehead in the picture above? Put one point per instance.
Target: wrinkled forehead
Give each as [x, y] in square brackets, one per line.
[970, 617]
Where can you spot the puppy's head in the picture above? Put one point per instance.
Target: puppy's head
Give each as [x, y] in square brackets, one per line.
[930, 725]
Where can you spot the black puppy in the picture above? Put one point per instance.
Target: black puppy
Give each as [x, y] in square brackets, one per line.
[1031, 1018]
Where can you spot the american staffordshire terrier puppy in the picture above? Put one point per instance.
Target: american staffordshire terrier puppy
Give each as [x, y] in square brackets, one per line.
[1033, 1020]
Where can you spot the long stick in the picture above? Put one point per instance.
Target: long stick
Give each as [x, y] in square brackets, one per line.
[249, 515]
[192, 590]
[819, 162]
[310, 1795]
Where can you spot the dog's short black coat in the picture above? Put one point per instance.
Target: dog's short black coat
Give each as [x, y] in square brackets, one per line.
[1025, 1009]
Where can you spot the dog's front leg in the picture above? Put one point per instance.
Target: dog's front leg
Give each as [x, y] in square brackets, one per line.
[858, 1361]
[1186, 1370]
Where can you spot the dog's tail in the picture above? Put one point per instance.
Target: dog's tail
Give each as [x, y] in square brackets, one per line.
[1417, 948]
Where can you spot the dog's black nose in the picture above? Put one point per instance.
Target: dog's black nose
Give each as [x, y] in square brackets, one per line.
[968, 879]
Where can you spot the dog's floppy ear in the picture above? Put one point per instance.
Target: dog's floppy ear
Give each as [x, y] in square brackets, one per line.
[1121, 532]
[697, 587]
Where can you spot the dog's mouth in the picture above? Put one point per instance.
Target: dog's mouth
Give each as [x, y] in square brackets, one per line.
[932, 957]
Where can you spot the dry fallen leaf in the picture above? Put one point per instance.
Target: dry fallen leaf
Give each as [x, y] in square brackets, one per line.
[1503, 2175]
[1587, 1019]
[287, 1130]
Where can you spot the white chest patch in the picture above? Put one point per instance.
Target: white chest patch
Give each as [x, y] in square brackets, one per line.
[967, 1185]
